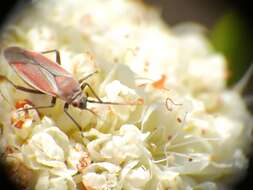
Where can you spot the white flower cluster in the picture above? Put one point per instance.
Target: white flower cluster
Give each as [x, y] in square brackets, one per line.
[180, 127]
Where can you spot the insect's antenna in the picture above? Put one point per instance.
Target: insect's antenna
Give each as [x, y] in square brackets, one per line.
[115, 103]
[86, 77]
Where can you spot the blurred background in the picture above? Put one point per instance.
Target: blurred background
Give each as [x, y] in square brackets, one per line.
[229, 24]
[230, 30]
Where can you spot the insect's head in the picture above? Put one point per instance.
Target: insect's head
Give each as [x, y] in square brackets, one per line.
[80, 103]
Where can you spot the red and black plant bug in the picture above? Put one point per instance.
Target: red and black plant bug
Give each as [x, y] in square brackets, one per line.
[45, 76]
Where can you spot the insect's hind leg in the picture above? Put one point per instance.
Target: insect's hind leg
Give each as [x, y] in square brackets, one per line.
[53, 102]
[57, 53]
[20, 87]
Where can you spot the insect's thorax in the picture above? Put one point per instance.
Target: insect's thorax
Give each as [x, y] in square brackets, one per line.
[68, 88]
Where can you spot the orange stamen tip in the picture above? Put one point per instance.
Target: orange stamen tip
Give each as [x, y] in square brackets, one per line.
[19, 124]
[160, 83]
[140, 101]
[22, 103]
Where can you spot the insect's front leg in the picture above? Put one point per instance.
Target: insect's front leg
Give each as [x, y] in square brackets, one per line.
[92, 91]
[99, 101]
[57, 53]
[66, 106]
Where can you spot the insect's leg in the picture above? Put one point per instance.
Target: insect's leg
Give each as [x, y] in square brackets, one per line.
[57, 53]
[92, 91]
[20, 87]
[27, 89]
[53, 101]
[110, 103]
[99, 101]
[86, 77]
[66, 106]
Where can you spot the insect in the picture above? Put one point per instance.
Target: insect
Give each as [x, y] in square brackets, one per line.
[45, 76]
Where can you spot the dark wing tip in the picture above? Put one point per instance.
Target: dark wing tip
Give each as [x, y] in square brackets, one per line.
[10, 52]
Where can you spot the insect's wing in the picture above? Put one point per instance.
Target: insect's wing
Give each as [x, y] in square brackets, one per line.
[37, 70]
[47, 64]
[36, 77]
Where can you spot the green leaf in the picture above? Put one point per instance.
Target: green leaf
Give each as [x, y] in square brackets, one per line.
[232, 36]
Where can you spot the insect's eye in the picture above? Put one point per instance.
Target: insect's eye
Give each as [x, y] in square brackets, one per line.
[74, 104]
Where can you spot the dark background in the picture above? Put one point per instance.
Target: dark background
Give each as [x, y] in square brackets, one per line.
[230, 29]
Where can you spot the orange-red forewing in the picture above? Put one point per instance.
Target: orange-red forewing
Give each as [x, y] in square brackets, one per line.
[41, 73]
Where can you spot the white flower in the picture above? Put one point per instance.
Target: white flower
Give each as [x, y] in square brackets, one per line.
[137, 178]
[199, 76]
[78, 159]
[101, 176]
[128, 144]
[43, 150]
[23, 121]
[50, 182]
[47, 148]
[118, 92]
[178, 127]
[43, 38]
